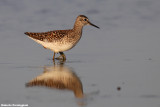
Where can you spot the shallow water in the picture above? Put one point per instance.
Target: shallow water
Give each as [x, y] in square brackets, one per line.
[118, 64]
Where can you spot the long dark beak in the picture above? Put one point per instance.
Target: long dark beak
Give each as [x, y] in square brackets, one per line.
[93, 25]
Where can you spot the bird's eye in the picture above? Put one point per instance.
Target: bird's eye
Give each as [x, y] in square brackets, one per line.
[85, 19]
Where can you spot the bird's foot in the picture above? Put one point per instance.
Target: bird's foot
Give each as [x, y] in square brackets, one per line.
[61, 57]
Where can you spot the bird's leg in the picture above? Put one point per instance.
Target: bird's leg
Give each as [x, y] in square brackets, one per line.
[53, 56]
[62, 56]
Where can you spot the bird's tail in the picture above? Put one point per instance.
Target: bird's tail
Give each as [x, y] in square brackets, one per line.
[37, 36]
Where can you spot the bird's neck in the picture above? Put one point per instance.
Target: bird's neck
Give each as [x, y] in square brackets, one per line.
[78, 28]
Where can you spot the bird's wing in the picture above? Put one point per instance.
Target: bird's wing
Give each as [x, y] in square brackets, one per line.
[49, 36]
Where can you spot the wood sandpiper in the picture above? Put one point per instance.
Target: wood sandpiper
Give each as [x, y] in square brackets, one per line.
[61, 40]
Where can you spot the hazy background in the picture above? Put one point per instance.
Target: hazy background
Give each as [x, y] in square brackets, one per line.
[125, 52]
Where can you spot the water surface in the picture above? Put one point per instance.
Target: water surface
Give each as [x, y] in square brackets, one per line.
[118, 65]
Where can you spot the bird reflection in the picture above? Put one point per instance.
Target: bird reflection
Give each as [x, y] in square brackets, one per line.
[60, 77]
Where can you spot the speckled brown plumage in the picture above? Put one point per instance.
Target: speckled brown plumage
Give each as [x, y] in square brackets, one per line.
[50, 36]
[61, 40]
